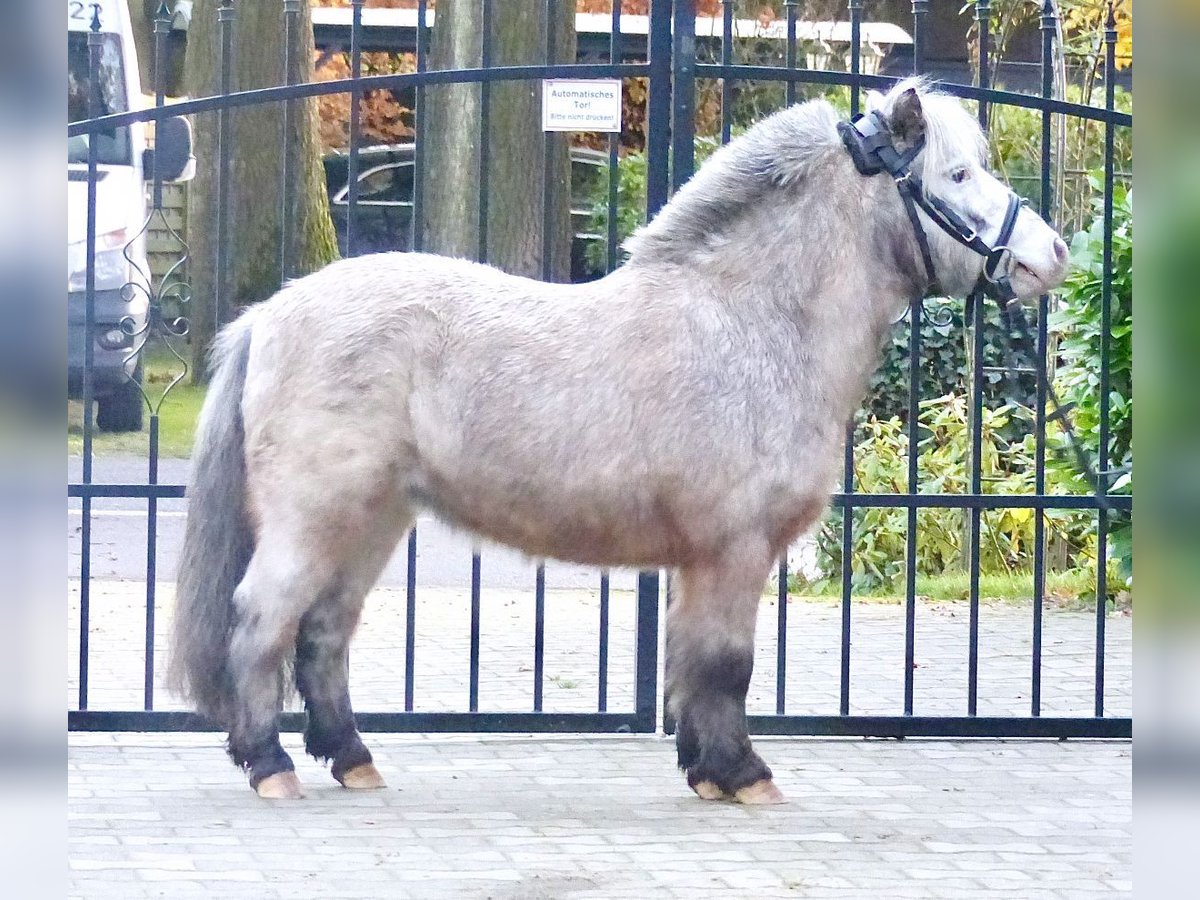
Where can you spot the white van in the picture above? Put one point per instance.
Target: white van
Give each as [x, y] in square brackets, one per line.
[122, 206]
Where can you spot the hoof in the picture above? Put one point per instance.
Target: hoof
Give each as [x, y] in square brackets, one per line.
[280, 786]
[706, 790]
[362, 778]
[761, 793]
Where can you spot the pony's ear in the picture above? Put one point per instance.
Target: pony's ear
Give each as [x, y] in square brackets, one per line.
[907, 119]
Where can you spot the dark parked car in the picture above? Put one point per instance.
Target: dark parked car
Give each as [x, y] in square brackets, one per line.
[385, 191]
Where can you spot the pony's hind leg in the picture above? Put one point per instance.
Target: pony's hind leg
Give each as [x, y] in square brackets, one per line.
[710, 657]
[322, 668]
[322, 677]
[268, 605]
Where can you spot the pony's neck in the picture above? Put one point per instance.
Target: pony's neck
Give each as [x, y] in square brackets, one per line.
[815, 266]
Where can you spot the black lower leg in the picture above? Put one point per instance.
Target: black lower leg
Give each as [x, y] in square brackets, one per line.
[322, 679]
[711, 738]
[260, 758]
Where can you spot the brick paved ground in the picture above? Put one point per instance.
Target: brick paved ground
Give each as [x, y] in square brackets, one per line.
[538, 818]
[576, 817]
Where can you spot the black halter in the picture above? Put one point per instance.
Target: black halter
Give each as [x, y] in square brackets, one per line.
[869, 142]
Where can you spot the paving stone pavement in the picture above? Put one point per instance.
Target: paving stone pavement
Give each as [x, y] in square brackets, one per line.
[546, 817]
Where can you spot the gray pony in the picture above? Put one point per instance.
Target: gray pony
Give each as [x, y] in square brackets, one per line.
[687, 411]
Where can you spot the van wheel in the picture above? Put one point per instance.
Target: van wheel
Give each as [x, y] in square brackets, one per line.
[122, 410]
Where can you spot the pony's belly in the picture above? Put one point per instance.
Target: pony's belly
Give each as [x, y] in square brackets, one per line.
[607, 531]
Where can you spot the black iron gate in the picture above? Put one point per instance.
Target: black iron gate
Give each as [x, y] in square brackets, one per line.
[671, 67]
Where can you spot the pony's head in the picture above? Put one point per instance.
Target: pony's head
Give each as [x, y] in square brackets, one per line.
[951, 167]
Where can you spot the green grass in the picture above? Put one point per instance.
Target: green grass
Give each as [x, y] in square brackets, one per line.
[1074, 589]
[178, 414]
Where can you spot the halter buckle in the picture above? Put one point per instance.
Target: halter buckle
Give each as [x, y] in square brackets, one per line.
[1002, 253]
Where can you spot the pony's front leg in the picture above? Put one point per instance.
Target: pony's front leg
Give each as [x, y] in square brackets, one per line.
[710, 657]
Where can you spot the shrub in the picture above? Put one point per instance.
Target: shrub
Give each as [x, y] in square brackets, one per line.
[1078, 326]
[880, 466]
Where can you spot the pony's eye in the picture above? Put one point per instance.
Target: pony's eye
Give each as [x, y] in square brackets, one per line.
[958, 176]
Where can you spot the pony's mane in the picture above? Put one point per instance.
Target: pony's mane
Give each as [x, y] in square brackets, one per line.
[782, 151]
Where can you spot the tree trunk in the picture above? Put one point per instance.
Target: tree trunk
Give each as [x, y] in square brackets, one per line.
[141, 17]
[255, 170]
[517, 172]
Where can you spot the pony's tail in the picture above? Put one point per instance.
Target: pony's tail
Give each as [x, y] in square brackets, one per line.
[218, 542]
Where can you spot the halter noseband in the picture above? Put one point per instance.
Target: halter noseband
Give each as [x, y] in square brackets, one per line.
[869, 142]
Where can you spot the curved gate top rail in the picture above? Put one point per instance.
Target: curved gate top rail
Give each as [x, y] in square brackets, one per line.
[672, 70]
[403, 80]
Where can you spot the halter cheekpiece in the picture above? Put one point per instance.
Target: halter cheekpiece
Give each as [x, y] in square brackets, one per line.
[869, 142]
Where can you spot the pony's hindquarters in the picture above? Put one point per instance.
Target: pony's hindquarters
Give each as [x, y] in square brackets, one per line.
[295, 505]
[218, 541]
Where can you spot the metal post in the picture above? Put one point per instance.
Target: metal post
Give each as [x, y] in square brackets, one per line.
[611, 238]
[95, 47]
[855, 7]
[646, 650]
[485, 107]
[658, 108]
[920, 12]
[418, 238]
[162, 27]
[1104, 461]
[726, 62]
[683, 109]
[790, 51]
[1049, 29]
[356, 8]
[287, 223]
[225, 22]
[983, 21]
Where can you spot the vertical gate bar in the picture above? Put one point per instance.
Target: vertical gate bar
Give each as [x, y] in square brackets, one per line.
[658, 137]
[726, 62]
[614, 144]
[1048, 28]
[225, 22]
[781, 638]
[789, 55]
[646, 650]
[602, 699]
[473, 690]
[356, 8]
[975, 302]
[151, 565]
[485, 111]
[658, 108]
[287, 224]
[95, 45]
[919, 10]
[683, 91]
[1104, 460]
[539, 635]
[847, 567]
[410, 619]
[162, 25]
[548, 142]
[983, 21]
[418, 241]
[855, 7]
[910, 548]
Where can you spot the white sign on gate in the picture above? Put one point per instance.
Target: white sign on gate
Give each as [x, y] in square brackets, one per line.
[571, 104]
